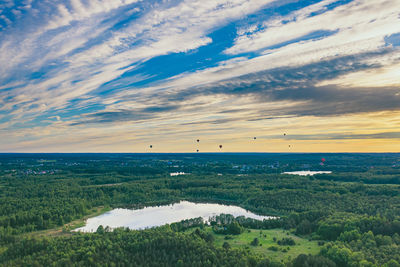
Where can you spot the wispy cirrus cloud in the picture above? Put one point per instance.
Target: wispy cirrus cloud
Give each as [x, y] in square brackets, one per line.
[79, 58]
[177, 64]
[338, 136]
[345, 25]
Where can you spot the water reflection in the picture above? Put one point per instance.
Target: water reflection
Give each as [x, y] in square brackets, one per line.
[304, 173]
[157, 216]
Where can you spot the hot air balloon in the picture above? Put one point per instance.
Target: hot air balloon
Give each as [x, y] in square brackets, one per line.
[220, 146]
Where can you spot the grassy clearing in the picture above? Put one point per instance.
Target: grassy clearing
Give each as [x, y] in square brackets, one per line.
[266, 240]
[72, 225]
[81, 222]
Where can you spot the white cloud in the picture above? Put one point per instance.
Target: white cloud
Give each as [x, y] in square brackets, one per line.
[174, 29]
[80, 11]
[356, 21]
[162, 30]
[360, 30]
[386, 76]
[170, 27]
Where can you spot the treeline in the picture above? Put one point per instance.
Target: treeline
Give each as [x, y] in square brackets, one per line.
[367, 178]
[31, 203]
[350, 240]
[154, 247]
[165, 247]
[353, 214]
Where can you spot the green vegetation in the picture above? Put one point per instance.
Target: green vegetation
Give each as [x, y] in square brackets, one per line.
[348, 218]
[158, 247]
[266, 240]
[65, 229]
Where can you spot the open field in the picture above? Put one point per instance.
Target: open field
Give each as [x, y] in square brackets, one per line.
[266, 240]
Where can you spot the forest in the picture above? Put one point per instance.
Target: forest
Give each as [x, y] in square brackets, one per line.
[350, 217]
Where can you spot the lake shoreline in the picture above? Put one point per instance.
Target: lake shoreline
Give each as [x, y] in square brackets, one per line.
[155, 216]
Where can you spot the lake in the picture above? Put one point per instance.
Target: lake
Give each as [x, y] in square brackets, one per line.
[304, 173]
[159, 215]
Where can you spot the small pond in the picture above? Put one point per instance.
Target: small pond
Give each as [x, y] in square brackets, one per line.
[159, 215]
[305, 173]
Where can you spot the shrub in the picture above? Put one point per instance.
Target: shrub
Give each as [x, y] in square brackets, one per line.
[273, 248]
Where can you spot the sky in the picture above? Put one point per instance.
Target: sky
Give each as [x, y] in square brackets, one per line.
[121, 75]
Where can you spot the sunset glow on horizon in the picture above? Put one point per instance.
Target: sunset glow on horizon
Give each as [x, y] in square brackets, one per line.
[121, 75]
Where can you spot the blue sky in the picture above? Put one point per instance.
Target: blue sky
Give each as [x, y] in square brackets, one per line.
[118, 75]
